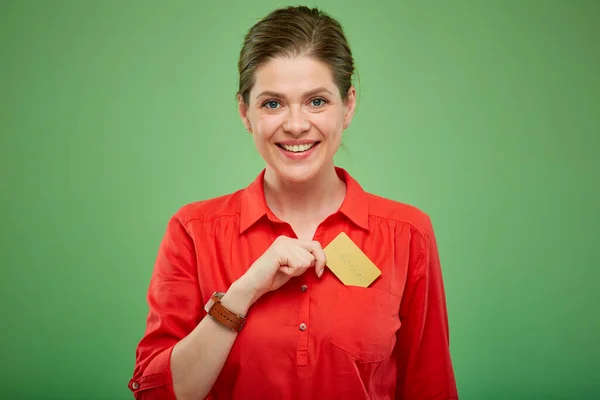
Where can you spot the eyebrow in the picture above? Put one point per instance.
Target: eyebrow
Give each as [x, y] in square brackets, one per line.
[306, 94]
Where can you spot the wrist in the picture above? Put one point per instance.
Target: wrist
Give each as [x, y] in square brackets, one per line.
[239, 297]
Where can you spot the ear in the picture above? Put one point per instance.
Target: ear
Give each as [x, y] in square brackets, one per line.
[243, 111]
[350, 105]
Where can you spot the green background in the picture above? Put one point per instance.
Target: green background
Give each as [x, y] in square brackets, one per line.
[485, 115]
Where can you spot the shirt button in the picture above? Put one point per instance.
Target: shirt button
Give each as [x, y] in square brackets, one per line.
[135, 385]
[304, 288]
[302, 326]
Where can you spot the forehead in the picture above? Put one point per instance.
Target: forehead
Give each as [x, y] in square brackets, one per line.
[293, 75]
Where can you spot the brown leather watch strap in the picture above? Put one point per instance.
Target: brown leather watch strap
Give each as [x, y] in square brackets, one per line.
[231, 320]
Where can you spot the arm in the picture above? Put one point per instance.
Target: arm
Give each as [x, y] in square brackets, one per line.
[183, 350]
[423, 351]
[198, 359]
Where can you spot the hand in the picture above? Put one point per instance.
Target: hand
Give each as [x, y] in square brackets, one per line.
[284, 259]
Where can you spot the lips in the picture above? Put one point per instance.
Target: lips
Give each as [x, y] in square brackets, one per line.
[297, 148]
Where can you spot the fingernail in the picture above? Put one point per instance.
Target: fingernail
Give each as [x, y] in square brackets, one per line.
[320, 273]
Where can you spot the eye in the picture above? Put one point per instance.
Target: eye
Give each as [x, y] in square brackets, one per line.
[271, 104]
[318, 102]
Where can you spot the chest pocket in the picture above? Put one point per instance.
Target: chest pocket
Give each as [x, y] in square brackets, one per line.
[365, 322]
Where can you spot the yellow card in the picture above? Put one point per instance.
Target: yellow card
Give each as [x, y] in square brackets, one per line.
[349, 263]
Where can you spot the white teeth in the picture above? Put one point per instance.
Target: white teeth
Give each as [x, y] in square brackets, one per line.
[298, 148]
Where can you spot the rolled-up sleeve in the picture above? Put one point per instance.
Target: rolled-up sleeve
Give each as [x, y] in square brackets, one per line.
[425, 369]
[174, 303]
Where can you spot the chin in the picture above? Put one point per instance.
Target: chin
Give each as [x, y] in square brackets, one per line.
[296, 174]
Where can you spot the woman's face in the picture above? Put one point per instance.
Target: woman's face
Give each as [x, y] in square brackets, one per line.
[296, 115]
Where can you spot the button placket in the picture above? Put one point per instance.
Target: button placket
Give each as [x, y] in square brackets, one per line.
[304, 310]
[303, 324]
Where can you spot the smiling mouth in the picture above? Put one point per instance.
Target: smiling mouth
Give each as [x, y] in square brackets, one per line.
[298, 148]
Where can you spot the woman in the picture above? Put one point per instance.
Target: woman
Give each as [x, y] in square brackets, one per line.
[242, 305]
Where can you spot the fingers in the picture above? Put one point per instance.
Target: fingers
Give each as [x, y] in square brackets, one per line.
[306, 257]
[299, 255]
[297, 261]
[318, 254]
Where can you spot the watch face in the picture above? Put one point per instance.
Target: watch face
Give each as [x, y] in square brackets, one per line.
[209, 305]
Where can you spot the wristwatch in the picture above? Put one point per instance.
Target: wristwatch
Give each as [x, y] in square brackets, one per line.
[231, 320]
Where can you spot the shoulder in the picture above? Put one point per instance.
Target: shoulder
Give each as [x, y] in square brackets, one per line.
[385, 208]
[207, 210]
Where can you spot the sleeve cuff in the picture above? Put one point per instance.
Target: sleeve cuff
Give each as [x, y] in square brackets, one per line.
[156, 375]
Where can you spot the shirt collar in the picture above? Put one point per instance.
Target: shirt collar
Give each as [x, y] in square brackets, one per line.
[254, 206]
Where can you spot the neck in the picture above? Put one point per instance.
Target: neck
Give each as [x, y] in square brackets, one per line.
[308, 202]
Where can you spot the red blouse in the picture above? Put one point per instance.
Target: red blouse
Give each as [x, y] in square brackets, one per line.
[313, 338]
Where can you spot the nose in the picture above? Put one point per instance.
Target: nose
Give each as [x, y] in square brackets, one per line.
[296, 122]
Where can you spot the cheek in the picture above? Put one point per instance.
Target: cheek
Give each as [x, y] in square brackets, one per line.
[266, 125]
[329, 124]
